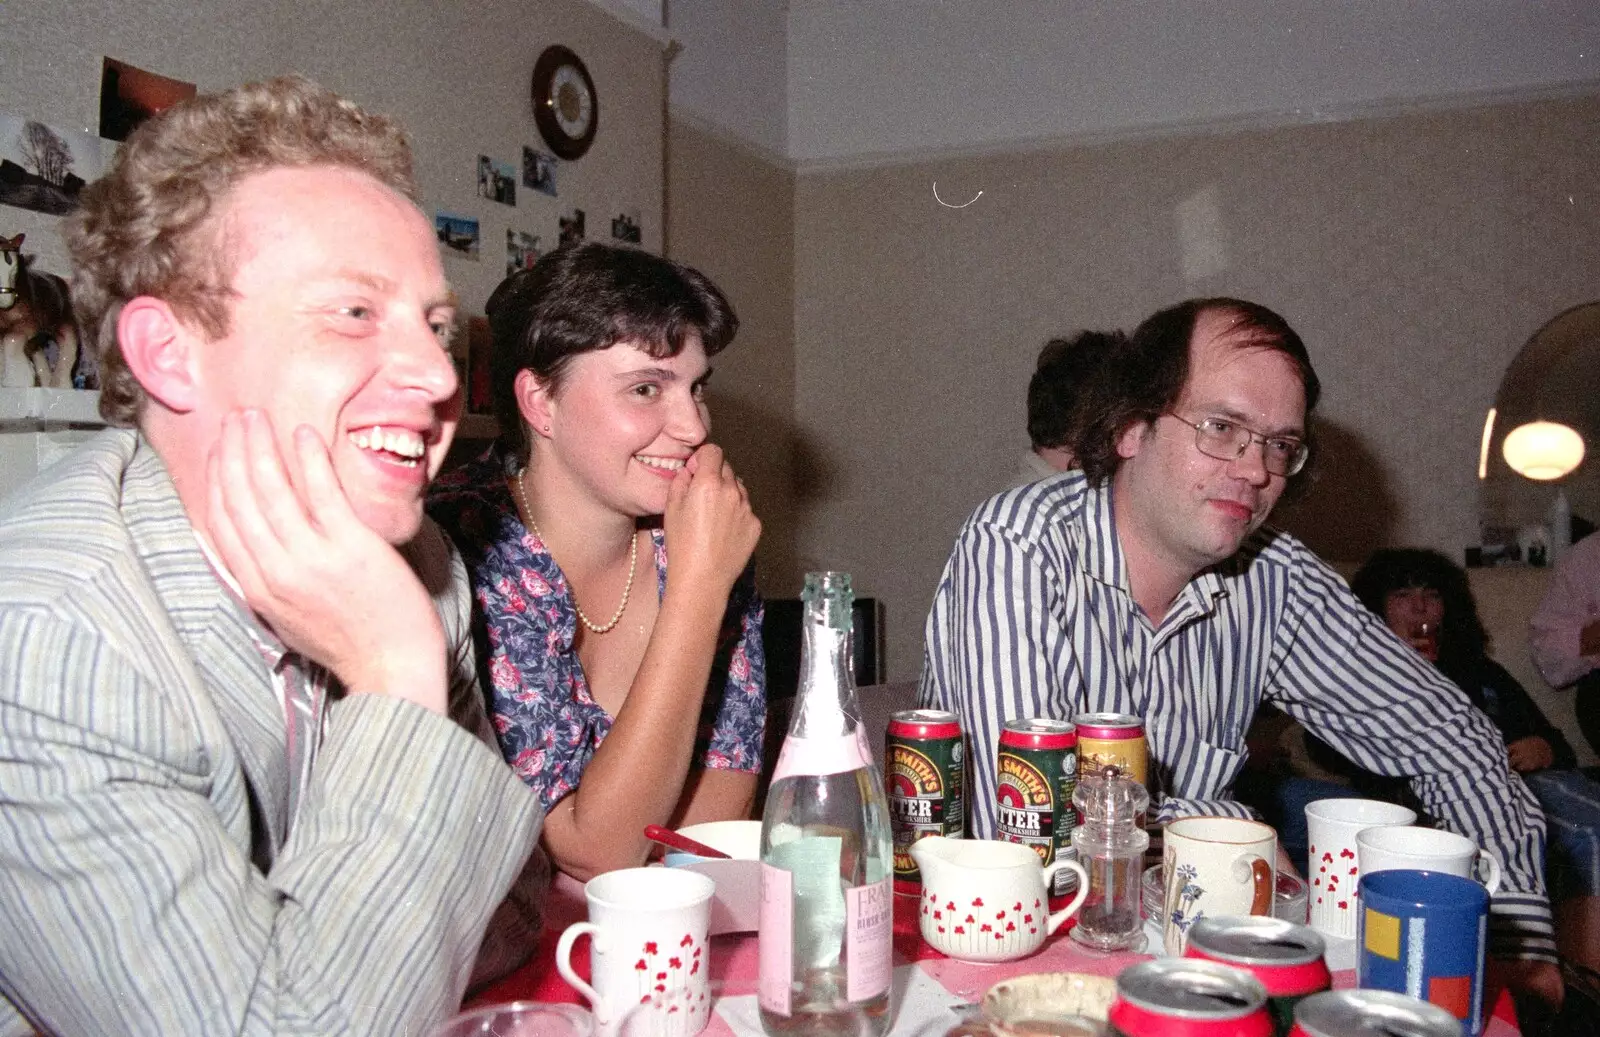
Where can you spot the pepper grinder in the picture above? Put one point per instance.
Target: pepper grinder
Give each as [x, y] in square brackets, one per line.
[1110, 847]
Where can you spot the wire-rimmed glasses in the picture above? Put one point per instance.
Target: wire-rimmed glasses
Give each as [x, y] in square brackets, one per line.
[1227, 440]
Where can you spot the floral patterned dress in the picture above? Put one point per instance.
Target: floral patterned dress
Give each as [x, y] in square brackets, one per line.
[524, 622]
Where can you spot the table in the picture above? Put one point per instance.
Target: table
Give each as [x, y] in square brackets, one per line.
[927, 985]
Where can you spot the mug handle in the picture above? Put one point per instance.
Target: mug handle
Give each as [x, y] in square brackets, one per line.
[1263, 887]
[1490, 867]
[564, 966]
[1059, 917]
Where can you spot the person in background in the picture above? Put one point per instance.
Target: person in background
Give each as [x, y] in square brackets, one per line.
[1149, 585]
[1426, 599]
[249, 782]
[1564, 635]
[626, 691]
[1064, 366]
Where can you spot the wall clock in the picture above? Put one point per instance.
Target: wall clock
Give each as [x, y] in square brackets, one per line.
[565, 106]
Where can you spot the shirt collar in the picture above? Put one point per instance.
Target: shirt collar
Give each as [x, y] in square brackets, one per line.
[1102, 551]
[271, 648]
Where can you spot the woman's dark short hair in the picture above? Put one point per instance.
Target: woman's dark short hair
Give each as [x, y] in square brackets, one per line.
[1462, 637]
[1063, 370]
[589, 296]
[1145, 374]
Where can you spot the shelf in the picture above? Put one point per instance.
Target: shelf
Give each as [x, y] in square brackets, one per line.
[34, 407]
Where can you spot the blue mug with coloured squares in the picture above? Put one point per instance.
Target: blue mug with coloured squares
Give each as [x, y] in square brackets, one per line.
[1425, 933]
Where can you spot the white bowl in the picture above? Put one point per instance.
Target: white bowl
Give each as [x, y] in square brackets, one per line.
[740, 840]
[1028, 1004]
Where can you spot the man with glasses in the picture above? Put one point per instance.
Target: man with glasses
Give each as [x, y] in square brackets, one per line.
[1147, 584]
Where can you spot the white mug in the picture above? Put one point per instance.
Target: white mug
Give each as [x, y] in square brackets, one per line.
[1426, 849]
[1335, 873]
[648, 949]
[1216, 866]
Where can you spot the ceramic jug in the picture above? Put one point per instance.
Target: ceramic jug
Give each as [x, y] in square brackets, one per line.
[984, 900]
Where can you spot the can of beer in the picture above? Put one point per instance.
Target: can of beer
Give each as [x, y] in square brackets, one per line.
[1286, 958]
[1112, 739]
[1037, 773]
[1186, 997]
[924, 765]
[1371, 1013]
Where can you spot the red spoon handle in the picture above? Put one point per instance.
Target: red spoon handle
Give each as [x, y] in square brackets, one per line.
[667, 837]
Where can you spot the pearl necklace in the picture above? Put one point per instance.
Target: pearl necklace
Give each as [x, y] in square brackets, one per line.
[627, 588]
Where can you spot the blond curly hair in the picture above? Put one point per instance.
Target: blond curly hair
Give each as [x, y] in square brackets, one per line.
[145, 228]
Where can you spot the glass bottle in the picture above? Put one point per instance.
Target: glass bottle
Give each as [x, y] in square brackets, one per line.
[1110, 847]
[827, 909]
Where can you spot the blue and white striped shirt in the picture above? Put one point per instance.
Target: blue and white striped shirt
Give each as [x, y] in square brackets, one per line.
[1033, 618]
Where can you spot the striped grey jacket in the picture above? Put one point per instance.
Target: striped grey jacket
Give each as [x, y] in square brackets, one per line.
[146, 883]
[1033, 618]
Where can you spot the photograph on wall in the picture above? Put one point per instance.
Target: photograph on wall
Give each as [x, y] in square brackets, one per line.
[571, 227]
[625, 227]
[539, 171]
[479, 344]
[458, 234]
[130, 95]
[522, 250]
[42, 167]
[497, 181]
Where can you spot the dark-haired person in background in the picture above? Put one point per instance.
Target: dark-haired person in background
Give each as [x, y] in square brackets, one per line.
[1426, 599]
[1064, 367]
[625, 693]
[1149, 585]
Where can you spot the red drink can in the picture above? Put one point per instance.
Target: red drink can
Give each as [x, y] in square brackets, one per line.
[1037, 771]
[1112, 739]
[1286, 958]
[925, 771]
[1186, 997]
[1371, 1013]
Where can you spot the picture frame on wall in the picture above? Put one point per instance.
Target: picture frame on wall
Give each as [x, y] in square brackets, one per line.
[458, 234]
[539, 171]
[497, 181]
[44, 167]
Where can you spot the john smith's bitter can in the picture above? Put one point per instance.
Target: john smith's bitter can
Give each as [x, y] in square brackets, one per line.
[1112, 739]
[1286, 958]
[1371, 1013]
[1037, 771]
[925, 771]
[1186, 997]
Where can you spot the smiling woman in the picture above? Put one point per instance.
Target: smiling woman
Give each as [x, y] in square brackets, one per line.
[622, 708]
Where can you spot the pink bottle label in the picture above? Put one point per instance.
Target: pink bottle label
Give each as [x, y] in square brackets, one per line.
[810, 756]
[776, 947]
[869, 939]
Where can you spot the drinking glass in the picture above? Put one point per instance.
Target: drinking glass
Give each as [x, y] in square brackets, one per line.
[520, 1019]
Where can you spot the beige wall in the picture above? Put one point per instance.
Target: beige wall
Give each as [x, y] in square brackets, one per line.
[1414, 254]
[731, 214]
[456, 75]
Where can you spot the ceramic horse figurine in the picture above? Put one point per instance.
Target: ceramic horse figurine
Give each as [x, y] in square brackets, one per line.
[36, 325]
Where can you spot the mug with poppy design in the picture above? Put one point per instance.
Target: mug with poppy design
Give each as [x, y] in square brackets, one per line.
[1335, 871]
[647, 952]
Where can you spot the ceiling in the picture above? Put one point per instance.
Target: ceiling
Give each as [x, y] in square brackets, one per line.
[827, 82]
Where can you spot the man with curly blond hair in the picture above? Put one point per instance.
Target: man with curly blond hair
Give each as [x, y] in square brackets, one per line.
[249, 784]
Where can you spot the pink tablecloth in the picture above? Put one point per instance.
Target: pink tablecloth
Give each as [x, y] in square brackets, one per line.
[926, 982]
